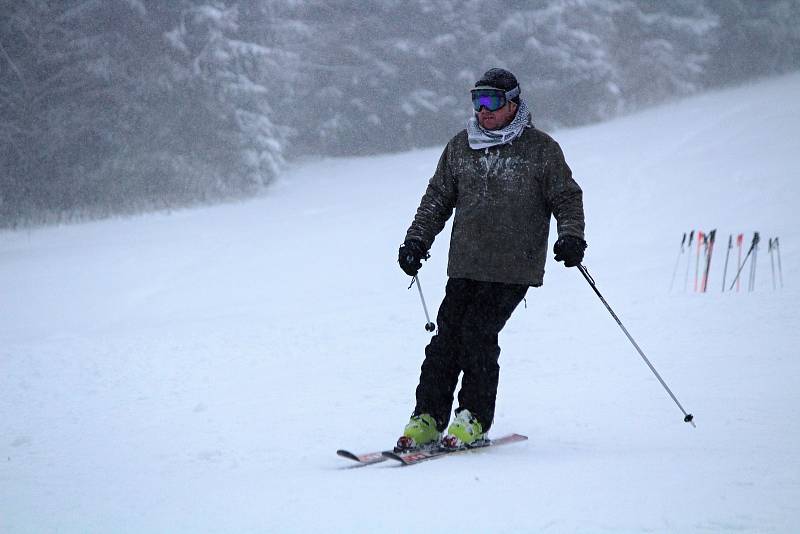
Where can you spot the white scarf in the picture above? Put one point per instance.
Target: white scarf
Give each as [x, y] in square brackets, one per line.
[479, 137]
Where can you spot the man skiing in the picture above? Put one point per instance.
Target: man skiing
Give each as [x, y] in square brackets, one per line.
[504, 178]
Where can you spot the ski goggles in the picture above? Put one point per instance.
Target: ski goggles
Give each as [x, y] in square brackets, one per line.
[492, 98]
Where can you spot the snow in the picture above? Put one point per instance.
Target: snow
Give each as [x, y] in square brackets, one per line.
[196, 371]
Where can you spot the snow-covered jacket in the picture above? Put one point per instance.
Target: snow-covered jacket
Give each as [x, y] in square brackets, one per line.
[503, 198]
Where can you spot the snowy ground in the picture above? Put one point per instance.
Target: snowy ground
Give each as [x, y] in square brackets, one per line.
[195, 372]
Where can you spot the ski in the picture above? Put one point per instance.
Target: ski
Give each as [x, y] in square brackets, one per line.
[709, 252]
[369, 458]
[364, 459]
[415, 457]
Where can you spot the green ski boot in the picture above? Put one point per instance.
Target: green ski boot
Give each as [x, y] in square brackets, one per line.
[420, 432]
[465, 431]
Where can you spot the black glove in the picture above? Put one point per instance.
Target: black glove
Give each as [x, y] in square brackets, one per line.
[569, 249]
[410, 257]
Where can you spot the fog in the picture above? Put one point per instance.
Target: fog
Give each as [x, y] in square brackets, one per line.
[119, 106]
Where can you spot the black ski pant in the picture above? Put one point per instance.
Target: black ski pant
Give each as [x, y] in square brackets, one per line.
[469, 320]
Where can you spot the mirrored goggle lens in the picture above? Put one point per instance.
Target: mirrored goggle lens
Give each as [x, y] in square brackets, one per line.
[490, 100]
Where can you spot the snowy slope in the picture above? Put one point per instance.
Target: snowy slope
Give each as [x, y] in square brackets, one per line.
[195, 372]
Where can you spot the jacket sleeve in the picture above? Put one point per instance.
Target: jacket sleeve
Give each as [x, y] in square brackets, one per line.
[563, 194]
[437, 203]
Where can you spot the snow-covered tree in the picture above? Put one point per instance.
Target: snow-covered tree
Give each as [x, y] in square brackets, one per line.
[111, 106]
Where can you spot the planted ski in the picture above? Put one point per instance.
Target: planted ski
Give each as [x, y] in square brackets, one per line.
[411, 458]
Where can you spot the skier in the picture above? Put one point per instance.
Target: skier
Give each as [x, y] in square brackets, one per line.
[504, 178]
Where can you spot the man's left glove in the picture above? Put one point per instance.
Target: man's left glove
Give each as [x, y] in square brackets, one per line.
[569, 249]
[410, 257]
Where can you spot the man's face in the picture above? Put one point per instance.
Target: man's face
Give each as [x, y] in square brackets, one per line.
[494, 120]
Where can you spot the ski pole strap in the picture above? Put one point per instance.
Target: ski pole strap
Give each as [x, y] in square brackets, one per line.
[585, 272]
[688, 418]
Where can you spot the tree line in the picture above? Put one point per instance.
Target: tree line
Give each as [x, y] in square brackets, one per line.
[119, 106]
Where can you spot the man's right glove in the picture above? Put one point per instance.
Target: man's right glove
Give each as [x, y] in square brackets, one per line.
[569, 249]
[410, 257]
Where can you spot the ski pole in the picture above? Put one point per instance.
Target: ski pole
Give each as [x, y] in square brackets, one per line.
[701, 240]
[429, 326]
[688, 261]
[739, 243]
[677, 261]
[780, 270]
[743, 263]
[772, 261]
[688, 418]
[727, 257]
[709, 252]
[753, 269]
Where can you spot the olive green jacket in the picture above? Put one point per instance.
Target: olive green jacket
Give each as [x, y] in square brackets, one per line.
[503, 198]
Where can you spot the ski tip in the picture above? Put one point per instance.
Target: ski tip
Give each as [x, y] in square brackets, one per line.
[347, 454]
